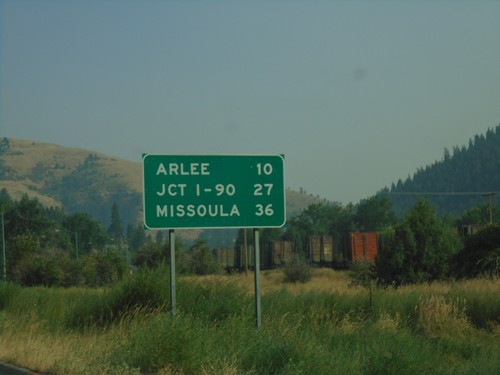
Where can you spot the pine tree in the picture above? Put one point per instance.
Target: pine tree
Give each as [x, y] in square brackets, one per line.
[115, 230]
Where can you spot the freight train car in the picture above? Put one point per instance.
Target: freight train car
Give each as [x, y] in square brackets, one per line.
[326, 251]
[321, 249]
[362, 246]
[282, 252]
[340, 251]
[225, 257]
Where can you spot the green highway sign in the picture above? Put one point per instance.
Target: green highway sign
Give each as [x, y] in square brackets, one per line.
[213, 191]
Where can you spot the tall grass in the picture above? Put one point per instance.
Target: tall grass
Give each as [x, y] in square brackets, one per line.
[148, 290]
[313, 328]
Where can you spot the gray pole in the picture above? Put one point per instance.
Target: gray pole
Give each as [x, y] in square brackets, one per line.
[76, 245]
[3, 247]
[171, 239]
[257, 277]
[245, 248]
[491, 209]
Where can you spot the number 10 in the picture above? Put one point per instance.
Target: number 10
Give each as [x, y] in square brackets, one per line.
[266, 168]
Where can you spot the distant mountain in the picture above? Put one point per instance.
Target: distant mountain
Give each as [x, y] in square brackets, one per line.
[463, 178]
[85, 181]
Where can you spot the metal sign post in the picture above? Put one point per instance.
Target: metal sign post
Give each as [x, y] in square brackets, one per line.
[3, 250]
[257, 277]
[171, 241]
[214, 191]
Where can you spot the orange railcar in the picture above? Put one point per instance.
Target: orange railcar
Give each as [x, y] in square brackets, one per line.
[363, 246]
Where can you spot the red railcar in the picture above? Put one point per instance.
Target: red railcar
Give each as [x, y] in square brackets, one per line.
[319, 250]
[363, 246]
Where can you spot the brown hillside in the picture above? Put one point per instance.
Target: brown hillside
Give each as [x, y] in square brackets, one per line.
[77, 179]
[32, 167]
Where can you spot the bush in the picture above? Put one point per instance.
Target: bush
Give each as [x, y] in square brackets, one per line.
[297, 271]
[481, 254]
[146, 290]
[200, 260]
[100, 269]
[421, 248]
[363, 273]
[149, 255]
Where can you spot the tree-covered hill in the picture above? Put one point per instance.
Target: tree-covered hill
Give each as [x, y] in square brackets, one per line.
[74, 179]
[463, 178]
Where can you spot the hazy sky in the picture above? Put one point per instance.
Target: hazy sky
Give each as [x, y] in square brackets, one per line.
[356, 94]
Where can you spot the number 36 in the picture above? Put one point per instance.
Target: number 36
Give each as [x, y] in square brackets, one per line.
[267, 210]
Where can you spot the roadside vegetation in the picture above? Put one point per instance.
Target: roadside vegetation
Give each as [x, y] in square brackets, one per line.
[328, 325]
[81, 299]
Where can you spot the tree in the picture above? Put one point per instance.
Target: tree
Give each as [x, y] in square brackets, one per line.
[159, 238]
[6, 202]
[314, 220]
[266, 235]
[201, 260]
[22, 247]
[27, 216]
[149, 255]
[421, 249]
[481, 253]
[115, 230]
[84, 232]
[319, 219]
[136, 237]
[39, 269]
[479, 215]
[4, 145]
[374, 214]
[100, 269]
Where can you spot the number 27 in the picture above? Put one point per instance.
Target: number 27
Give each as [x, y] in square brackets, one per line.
[260, 187]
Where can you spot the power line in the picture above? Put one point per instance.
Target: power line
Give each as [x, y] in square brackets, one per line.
[483, 193]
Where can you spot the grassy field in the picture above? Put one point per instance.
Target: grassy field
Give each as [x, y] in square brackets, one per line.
[326, 326]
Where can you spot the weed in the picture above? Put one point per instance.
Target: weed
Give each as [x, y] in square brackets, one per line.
[324, 326]
[298, 270]
[438, 318]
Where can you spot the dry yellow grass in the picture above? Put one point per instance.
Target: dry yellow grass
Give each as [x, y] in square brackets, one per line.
[480, 285]
[324, 280]
[439, 318]
[36, 349]
[23, 156]
[31, 346]
[17, 189]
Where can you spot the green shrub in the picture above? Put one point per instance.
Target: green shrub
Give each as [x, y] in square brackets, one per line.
[176, 343]
[101, 269]
[7, 293]
[421, 248]
[201, 260]
[146, 290]
[481, 254]
[298, 270]
[149, 255]
[363, 273]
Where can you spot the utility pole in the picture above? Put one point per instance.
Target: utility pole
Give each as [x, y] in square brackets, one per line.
[491, 210]
[490, 195]
[3, 250]
[76, 245]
